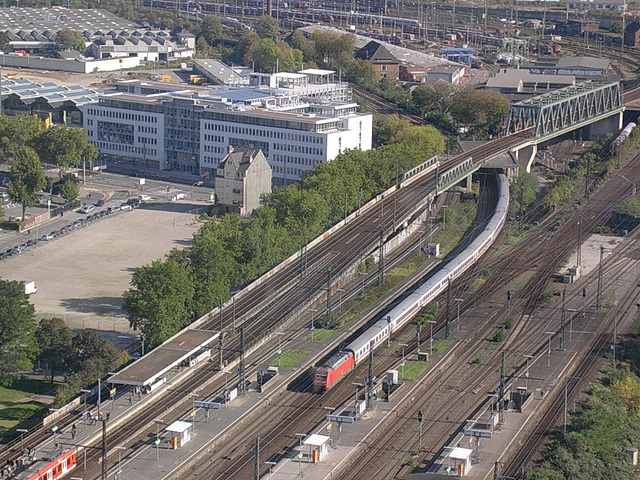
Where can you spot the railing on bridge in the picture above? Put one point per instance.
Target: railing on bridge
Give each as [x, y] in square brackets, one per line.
[455, 174]
[560, 111]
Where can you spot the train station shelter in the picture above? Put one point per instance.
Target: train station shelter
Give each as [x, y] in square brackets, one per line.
[180, 433]
[459, 460]
[318, 446]
[186, 349]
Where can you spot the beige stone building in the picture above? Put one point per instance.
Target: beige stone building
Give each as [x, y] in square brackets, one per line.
[243, 177]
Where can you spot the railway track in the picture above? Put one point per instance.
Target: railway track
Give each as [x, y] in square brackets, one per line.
[385, 108]
[291, 412]
[377, 461]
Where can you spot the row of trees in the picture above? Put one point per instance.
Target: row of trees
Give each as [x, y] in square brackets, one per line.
[27, 145]
[82, 358]
[167, 295]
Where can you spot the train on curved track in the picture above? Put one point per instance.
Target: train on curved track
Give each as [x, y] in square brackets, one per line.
[339, 364]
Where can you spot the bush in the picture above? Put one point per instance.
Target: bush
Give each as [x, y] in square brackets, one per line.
[477, 361]
[508, 323]
[498, 336]
[604, 230]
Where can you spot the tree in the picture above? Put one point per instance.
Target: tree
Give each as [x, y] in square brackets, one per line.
[64, 147]
[211, 30]
[299, 42]
[5, 45]
[26, 178]
[159, 302]
[54, 340]
[203, 49]
[17, 131]
[244, 47]
[17, 327]
[268, 27]
[71, 40]
[617, 27]
[69, 189]
[92, 356]
[334, 49]
[388, 130]
[429, 98]
[424, 138]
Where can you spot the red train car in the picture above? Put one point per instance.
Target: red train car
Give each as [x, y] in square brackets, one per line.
[58, 468]
[330, 371]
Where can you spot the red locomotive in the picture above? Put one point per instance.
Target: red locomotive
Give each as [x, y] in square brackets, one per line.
[331, 370]
[52, 470]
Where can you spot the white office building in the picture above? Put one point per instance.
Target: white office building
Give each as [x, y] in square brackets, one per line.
[296, 119]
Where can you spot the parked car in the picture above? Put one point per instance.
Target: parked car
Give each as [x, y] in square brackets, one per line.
[125, 206]
[87, 209]
[100, 203]
[48, 236]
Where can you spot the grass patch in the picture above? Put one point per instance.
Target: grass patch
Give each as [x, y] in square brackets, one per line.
[476, 284]
[404, 270]
[320, 335]
[11, 416]
[439, 346]
[412, 369]
[291, 358]
[23, 388]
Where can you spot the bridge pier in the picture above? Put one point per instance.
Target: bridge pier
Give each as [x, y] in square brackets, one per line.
[604, 127]
[526, 155]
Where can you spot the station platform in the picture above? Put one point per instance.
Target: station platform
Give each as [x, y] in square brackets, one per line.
[151, 368]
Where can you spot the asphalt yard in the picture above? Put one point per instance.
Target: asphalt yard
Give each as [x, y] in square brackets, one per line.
[82, 275]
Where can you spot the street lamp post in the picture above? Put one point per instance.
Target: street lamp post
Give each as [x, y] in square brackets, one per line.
[458, 301]
[120, 448]
[572, 311]
[158, 422]
[431, 322]
[279, 334]
[271, 465]
[564, 424]
[193, 396]
[22, 431]
[312, 310]
[357, 385]
[526, 373]
[444, 217]
[300, 437]
[551, 334]
[403, 345]
[340, 291]
[226, 386]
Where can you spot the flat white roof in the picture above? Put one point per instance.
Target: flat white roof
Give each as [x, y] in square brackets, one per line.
[289, 75]
[180, 427]
[316, 440]
[316, 71]
[460, 453]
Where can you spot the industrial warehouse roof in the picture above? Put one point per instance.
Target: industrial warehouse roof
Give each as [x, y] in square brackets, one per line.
[403, 55]
[56, 18]
[28, 92]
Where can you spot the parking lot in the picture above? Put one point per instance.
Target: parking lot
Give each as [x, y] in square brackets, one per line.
[82, 274]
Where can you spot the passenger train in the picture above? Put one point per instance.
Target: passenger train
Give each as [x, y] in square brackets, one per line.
[50, 469]
[345, 360]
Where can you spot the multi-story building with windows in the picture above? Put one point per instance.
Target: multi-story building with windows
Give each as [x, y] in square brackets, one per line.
[296, 119]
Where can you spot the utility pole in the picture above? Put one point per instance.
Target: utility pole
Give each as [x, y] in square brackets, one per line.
[420, 420]
[329, 320]
[381, 262]
[579, 250]
[615, 339]
[599, 297]
[221, 338]
[303, 261]
[562, 317]
[241, 367]
[104, 449]
[370, 382]
[447, 332]
[256, 460]
[502, 386]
